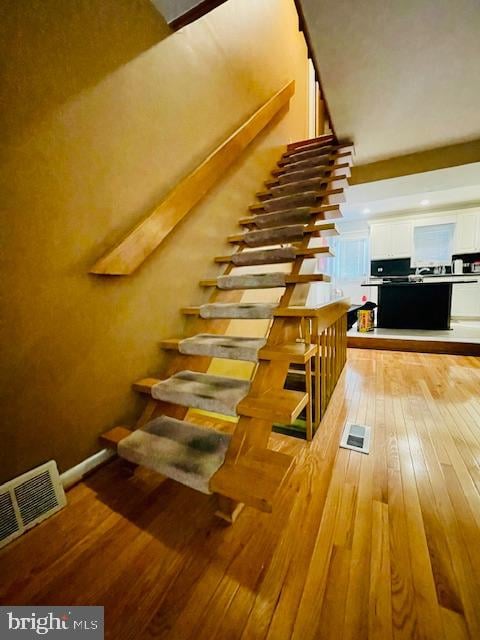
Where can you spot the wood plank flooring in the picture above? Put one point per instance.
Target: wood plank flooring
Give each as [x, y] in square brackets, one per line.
[384, 546]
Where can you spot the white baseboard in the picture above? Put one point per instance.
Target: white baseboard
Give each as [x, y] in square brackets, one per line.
[76, 473]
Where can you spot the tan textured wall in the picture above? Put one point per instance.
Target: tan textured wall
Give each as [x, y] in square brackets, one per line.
[102, 112]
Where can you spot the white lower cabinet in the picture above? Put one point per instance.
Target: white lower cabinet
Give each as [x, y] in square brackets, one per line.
[466, 300]
[465, 297]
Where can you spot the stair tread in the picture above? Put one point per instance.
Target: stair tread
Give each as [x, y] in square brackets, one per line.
[329, 147]
[250, 281]
[284, 405]
[255, 479]
[327, 228]
[218, 346]
[186, 452]
[276, 406]
[319, 140]
[285, 279]
[294, 352]
[291, 216]
[202, 391]
[241, 310]
[271, 236]
[306, 198]
[263, 256]
[310, 252]
[316, 161]
[310, 172]
[307, 184]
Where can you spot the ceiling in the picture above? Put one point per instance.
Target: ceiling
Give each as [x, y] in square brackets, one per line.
[454, 188]
[399, 76]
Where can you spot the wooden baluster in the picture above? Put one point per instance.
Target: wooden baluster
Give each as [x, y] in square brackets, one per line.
[308, 379]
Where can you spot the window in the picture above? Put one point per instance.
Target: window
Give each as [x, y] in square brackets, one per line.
[433, 245]
[351, 258]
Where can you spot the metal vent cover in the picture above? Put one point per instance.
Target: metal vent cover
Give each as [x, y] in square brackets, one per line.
[29, 499]
[356, 437]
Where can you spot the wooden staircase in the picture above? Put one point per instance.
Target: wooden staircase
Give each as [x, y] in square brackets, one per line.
[301, 201]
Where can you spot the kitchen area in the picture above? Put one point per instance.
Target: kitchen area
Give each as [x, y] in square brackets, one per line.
[424, 276]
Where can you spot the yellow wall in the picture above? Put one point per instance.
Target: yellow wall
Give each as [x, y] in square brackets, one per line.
[102, 112]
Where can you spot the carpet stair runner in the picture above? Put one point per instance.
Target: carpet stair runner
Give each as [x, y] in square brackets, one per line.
[217, 346]
[306, 198]
[188, 453]
[281, 235]
[316, 161]
[273, 256]
[299, 215]
[311, 184]
[202, 391]
[263, 280]
[309, 173]
[240, 467]
[245, 310]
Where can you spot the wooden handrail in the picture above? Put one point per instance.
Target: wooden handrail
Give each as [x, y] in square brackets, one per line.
[129, 254]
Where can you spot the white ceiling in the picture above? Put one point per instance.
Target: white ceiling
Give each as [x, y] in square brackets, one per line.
[444, 189]
[400, 76]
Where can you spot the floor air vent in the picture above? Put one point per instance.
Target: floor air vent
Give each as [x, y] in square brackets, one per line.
[29, 499]
[356, 437]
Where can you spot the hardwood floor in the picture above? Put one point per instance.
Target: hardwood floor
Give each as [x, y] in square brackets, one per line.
[379, 546]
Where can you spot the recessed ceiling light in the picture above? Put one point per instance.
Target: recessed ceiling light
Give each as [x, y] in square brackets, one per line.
[366, 210]
[424, 202]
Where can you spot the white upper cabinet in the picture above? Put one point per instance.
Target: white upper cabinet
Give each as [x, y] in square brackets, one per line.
[391, 240]
[467, 233]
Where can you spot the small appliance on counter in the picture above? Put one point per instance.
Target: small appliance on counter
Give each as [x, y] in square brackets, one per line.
[457, 266]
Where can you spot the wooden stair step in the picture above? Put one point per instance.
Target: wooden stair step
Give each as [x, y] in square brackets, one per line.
[295, 352]
[315, 230]
[240, 282]
[303, 154]
[279, 405]
[218, 394]
[111, 438]
[312, 172]
[239, 310]
[311, 184]
[305, 199]
[274, 405]
[310, 252]
[271, 236]
[317, 161]
[187, 453]
[255, 479]
[319, 140]
[217, 346]
[263, 256]
[292, 216]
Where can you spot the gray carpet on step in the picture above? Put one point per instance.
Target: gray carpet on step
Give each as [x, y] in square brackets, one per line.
[301, 215]
[202, 391]
[295, 176]
[252, 281]
[247, 310]
[216, 346]
[308, 198]
[274, 235]
[264, 256]
[185, 452]
[295, 187]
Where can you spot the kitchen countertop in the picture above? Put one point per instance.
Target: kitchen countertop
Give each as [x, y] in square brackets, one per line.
[416, 283]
